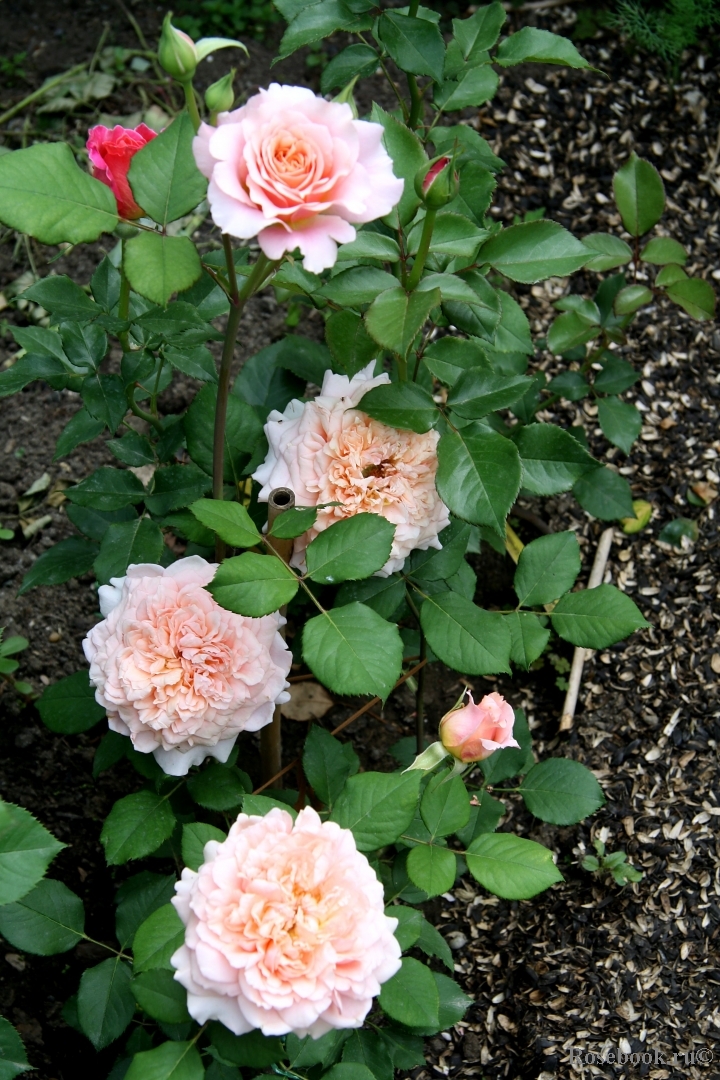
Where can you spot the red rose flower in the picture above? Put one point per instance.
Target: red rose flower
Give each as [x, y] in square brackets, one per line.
[111, 151]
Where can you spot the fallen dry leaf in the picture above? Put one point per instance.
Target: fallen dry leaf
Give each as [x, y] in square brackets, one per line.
[308, 701]
[704, 491]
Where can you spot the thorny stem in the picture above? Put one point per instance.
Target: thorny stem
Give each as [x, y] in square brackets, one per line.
[238, 299]
[191, 103]
[420, 699]
[124, 302]
[419, 264]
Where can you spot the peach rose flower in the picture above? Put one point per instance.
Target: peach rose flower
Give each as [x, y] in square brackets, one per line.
[297, 172]
[474, 732]
[111, 151]
[285, 928]
[176, 672]
[327, 450]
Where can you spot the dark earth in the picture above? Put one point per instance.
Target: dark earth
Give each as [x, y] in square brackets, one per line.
[587, 965]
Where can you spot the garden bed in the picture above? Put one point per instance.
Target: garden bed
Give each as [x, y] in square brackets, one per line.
[586, 964]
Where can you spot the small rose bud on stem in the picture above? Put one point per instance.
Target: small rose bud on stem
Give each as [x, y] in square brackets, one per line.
[220, 96]
[473, 732]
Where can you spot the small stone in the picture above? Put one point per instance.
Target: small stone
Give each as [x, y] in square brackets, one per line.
[715, 663]
[456, 940]
[55, 636]
[15, 961]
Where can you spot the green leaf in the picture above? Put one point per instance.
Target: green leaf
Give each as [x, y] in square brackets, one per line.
[260, 805]
[63, 561]
[547, 568]
[694, 296]
[528, 637]
[353, 548]
[453, 234]
[230, 521]
[570, 330]
[394, 319]
[668, 275]
[415, 45]
[383, 595]
[158, 937]
[596, 618]
[132, 449]
[632, 297]
[616, 376]
[351, 650]
[480, 31]
[474, 87]
[81, 428]
[358, 285]
[137, 898]
[433, 943]
[432, 868]
[621, 423]
[138, 541]
[469, 144]
[604, 494]
[44, 193]
[95, 523]
[39, 340]
[169, 1061]
[253, 585]
[611, 252]
[561, 791]
[484, 818]
[219, 787]
[448, 357]
[13, 1059]
[674, 531]
[26, 851]
[69, 706]
[552, 460]
[478, 477]
[158, 266]
[157, 993]
[26, 370]
[510, 866]
[368, 1050]
[434, 565]
[46, 921]
[377, 807]
[478, 392]
[401, 405]
[349, 342]
[195, 836]
[534, 250]
[104, 398]
[326, 764]
[319, 21]
[481, 316]
[63, 298]
[309, 360]
[254, 1049]
[163, 175]
[533, 46]
[357, 61]
[453, 1001]
[570, 385]
[445, 806]
[107, 489]
[477, 185]
[136, 826]
[662, 250]
[408, 156]
[411, 997]
[105, 1001]
[176, 486]
[639, 194]
[409, 924]
[293, 522]
[370, 245]
[465, 637]
[198, 362]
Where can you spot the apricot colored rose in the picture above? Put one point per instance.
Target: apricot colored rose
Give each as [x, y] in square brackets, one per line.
[474, 732]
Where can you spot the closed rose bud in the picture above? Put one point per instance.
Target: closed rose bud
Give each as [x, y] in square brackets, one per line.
[474, 732]
[438, 184]
[220, 97]
[176, 52]
[111, 151]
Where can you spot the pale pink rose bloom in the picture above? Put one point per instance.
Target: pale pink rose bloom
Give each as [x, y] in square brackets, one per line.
[176, 672]
[285, 928]
[474, 732]
[327, 450]
[297, 172]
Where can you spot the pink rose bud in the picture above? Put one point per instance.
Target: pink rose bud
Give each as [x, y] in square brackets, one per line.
[439, 184]
[111, 150]
[176, 51]
[474, 732]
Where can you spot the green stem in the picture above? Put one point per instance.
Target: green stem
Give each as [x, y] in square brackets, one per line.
[420, 699]
[36, 94]
[402, 367]
[191, 103]
[124, 302]
[416, 102]
[238, 298]
[135, 409]
[419, 264]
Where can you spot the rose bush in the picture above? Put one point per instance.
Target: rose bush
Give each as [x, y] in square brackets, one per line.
[431, 421]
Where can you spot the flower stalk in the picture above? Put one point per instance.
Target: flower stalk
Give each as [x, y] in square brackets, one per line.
[419, 264]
